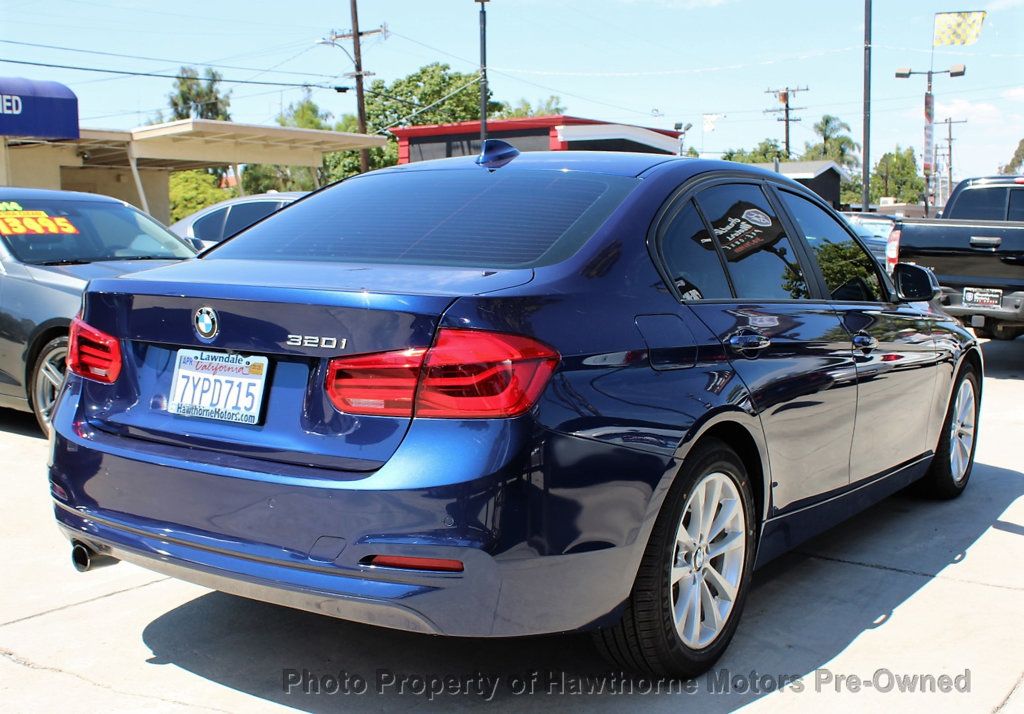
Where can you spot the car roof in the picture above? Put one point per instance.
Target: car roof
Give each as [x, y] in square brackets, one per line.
[619, 163]
[15, 193]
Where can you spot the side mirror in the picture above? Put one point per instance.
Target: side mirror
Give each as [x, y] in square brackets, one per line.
[914, 283]
[197, 244]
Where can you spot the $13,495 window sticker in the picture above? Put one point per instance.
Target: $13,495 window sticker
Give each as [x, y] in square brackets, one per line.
[14, 220]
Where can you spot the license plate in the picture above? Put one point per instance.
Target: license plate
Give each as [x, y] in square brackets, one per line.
[982, 297]
[217, 385]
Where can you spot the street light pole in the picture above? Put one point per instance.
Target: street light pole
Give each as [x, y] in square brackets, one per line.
[927, 160]
[865, 169]
[483, 71]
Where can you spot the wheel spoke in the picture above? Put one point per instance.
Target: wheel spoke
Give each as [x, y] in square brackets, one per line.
[678, 573]
[696, 509]
[731, 541]
[725, 589]
[712, 495]
[684, 539]
[693, 616]
[52, 374]
[684, 603]
[729, 506]
[710, 606]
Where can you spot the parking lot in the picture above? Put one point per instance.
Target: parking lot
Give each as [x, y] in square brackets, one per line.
[911, 587]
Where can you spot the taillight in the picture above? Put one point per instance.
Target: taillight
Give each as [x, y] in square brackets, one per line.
[383, 383]
[466, 374]
[892, 250]
[93, 354]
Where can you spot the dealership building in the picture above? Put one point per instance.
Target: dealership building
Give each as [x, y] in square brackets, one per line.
[43, 146]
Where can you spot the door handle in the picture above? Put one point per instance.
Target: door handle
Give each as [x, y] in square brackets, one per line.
[986, 241]
[864, 341]
[749, 342]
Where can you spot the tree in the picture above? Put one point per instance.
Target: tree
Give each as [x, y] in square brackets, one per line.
[834, 145]
[199, 98]
[419, 98]
[1016, 161]
[406, 100]
[764, 153]
[193, 190]
[260, 178]
[545, 107]
[895, 175]
[850, 190]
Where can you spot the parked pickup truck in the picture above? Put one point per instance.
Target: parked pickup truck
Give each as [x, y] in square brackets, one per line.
[976, 248]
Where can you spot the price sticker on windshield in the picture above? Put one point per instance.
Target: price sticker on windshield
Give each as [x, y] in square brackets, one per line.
[21, 222]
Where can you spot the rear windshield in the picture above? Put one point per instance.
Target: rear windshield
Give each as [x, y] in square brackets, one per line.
[471, 218]
[52, 232]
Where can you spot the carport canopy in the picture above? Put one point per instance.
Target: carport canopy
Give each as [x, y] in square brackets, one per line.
[208, 143]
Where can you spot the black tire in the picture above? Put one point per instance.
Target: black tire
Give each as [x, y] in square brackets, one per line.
[55, 349]
[941, 481]
[646, 639]
[1007, 333]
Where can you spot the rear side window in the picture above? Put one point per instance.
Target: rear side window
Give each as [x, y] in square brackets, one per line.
[850, 272]
[454, 217]
[691, 258]
[1016, 212]
[211, 226]
[987, 203]
[759, 254]
[243, 215]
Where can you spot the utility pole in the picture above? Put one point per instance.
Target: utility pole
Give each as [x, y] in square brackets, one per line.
[949, 122]
[783, 95]
[357, 60]
[357, 56]
[483, 71]
[865, 168]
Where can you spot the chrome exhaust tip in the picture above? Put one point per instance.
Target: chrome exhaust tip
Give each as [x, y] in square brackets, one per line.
[85, 558]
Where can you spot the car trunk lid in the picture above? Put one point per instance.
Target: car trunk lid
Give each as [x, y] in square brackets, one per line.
[295, 315]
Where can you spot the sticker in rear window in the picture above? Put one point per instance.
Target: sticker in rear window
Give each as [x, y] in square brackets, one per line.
[19, 222]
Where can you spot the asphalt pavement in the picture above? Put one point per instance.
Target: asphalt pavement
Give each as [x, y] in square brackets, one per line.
[910, 588]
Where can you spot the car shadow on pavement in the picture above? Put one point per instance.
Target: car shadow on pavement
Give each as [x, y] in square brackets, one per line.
[21, 423]
[1004, 359]
[806, 608]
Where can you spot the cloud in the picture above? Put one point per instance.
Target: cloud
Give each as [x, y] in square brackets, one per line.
[974, 112]
[1016, 94]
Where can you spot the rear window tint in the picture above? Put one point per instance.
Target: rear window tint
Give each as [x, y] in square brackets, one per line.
[986, 203]
[473, 218]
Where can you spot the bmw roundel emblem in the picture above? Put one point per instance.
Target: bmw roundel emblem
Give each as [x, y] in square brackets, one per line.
[206, 324]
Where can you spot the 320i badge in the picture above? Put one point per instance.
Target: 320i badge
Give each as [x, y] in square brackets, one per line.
[554, 391]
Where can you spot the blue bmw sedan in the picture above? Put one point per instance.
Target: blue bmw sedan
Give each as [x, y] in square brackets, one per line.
[511, 395]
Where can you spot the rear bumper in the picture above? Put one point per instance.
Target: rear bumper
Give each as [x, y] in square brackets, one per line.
[549, 543]
[1010, 311]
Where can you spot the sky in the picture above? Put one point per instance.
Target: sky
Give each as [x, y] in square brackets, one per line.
[647, 62]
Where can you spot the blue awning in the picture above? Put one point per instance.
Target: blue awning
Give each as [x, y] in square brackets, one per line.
[40, 110]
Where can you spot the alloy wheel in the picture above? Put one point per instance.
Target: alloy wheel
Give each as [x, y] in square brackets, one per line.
[961, 431]
[49, 379]
[708, 561]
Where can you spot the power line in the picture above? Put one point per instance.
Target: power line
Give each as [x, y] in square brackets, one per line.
[172, 61]
[560, 92]
[164, 76]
